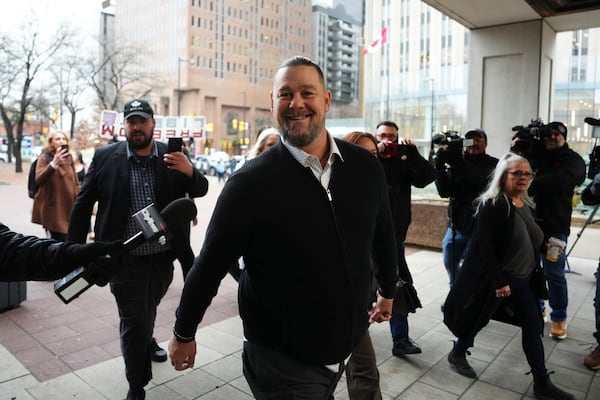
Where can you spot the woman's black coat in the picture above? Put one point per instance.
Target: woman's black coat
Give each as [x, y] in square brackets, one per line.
[481, 274]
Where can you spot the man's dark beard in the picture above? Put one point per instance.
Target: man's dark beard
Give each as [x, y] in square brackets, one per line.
[139, 145]
[299, 141]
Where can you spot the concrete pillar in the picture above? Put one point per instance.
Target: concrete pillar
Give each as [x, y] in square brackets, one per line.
[510, 79]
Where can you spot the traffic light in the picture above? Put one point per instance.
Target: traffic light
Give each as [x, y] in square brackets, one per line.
[54, 117]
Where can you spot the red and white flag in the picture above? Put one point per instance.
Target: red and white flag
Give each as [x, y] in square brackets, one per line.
[375, 44]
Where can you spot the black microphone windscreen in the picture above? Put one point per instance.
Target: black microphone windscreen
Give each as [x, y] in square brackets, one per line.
[179, 212]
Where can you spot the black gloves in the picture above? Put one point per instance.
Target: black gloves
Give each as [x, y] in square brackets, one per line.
[82, 254]
[101, 271]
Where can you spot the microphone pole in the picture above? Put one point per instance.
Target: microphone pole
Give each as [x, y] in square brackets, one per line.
[153, 226]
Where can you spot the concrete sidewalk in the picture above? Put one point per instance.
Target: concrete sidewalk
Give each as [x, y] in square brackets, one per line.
[49, 350]
[497, 357]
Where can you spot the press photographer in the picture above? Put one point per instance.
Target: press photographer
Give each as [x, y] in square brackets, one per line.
[462, 170]
[527, 140]
[559, 171]
[591, 197]
[404, 167]
[451, 147]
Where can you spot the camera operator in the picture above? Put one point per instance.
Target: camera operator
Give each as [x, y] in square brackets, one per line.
[461, 176]
[404, 167]
[591, 197]
[559, 171]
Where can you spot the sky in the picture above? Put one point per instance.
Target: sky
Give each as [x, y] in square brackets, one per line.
[82, 14]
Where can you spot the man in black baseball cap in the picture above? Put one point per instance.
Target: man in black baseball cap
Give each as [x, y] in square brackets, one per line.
[462, 183]
[476, 133]
[559, 171]
[138, 107]
[125, 177]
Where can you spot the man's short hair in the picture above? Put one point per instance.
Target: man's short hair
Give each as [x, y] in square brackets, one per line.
[301, 60]
[388, 123]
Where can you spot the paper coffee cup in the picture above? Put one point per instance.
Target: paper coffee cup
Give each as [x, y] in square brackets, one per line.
[554, 247]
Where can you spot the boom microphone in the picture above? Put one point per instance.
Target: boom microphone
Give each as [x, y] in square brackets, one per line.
[592, 121]
[153, 226]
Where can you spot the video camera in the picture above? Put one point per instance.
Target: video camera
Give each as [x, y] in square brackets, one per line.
[451, 147]
[528, 142]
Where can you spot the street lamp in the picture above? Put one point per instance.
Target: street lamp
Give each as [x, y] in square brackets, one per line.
[244, 117]
[432, 80]
[179, 61]
[432, 103]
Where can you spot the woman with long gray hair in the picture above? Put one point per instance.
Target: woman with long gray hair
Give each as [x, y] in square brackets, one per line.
[502, 272]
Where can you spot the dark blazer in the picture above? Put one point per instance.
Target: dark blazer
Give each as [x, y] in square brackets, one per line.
[107, 181]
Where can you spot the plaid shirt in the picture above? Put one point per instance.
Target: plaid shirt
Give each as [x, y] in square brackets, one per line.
[142, 185]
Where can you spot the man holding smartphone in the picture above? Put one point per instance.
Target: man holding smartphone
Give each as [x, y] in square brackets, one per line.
[123, 178]
[404, 167]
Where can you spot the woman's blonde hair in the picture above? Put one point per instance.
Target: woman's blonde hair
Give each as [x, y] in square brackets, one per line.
[259, 146]
[354, 137]
[48, 148]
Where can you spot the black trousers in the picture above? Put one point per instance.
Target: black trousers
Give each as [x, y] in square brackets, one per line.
[525, 305]
[138, 288]
[272, 375]
[362, 375]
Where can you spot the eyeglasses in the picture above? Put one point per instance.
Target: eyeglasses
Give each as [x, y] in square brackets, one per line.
[521, 174]
[387, 135]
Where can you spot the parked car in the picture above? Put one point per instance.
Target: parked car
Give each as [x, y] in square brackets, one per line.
[201, 164]
[208, 164]
[216, 157]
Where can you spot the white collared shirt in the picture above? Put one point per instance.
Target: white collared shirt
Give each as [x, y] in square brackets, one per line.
[323, 174]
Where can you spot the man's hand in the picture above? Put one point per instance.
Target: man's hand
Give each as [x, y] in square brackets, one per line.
[179, 162]
[182, 355]
[382, 309]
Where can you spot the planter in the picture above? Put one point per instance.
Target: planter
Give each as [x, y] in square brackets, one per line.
[429, 223]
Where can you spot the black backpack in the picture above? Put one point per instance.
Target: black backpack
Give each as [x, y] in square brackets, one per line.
[32, 186]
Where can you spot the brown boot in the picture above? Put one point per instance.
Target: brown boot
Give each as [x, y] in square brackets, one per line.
[558, 330]
[592, 360]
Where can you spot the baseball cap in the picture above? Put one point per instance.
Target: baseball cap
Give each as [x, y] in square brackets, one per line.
[559, 127]
[476, 132]
[138, 107]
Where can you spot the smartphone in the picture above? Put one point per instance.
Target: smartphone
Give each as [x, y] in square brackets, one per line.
[175, 144]
[394, 149]
[65, 147]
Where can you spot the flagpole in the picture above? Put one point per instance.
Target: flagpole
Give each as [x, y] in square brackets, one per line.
[387, 56]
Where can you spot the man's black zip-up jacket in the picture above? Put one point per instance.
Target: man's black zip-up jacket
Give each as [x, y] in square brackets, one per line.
[306, 284]
[559, 173]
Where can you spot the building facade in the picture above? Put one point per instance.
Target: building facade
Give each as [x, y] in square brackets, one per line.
[418, 78]
[576, 87]
[337, 39]
[217, 59]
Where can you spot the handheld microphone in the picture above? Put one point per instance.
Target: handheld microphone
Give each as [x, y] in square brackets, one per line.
[153, 226]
